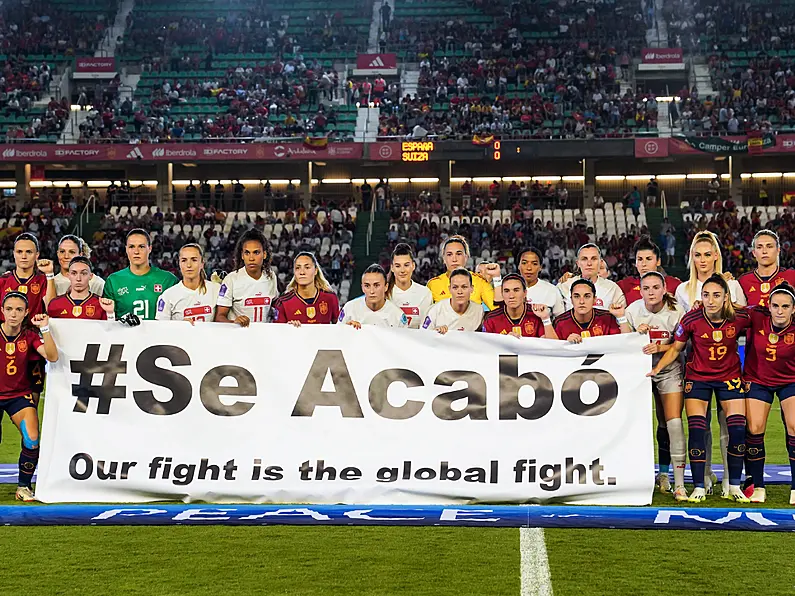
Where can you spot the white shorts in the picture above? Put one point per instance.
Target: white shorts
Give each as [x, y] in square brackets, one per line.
[670, 251]
[668, 380]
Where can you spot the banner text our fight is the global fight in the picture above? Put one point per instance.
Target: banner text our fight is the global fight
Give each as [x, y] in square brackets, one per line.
[273, 413]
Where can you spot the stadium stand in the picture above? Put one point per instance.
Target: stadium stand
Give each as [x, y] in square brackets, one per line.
[327, 231]
[38, 37]
[49, 218]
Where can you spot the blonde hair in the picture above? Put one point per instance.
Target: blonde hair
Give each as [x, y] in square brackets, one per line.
[321, 283]
[202, 274]
[691, 285]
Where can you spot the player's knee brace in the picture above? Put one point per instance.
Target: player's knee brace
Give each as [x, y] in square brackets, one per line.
[736, 426]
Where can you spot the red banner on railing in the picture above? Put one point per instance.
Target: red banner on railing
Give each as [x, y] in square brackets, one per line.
[101, 64]
[179, 152]
[376, 62]
[662, 56]
[651, 147]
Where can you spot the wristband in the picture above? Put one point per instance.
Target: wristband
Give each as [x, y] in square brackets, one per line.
[111, 316]
[546, 322]
[45, 329]
[50, 276]
[497, 281]
[621, 320]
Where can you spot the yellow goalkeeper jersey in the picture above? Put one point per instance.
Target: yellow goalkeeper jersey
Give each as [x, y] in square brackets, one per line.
[482, 292]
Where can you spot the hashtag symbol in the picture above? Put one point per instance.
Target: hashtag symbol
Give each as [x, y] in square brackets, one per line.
[107, 390]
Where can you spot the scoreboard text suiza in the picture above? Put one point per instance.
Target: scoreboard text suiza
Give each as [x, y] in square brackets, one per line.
[416, 150]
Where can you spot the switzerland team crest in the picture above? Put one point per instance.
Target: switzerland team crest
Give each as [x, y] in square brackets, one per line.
[310, 312]
[158, 288]
[323, 308]
[23, 345]
[35, 288]
[717, 335]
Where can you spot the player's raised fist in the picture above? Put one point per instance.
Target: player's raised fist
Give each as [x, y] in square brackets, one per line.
[565, 277]
[107, 305]
[40, 321]
[541, 311]
[45, 266]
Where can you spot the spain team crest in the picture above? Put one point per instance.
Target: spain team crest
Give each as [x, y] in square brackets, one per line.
[688, 387]
[597, 331]
[310, 312]
[717, 335]
[35, 288]
[90, 310]
[323, 308]
[789, 339]
[730, 332]
[765, 287]
[77, 311]
[22, 345]
[10, 348]
[529, 329]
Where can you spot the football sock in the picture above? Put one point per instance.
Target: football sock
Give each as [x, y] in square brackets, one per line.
[697, 426]
[736, 449]
[28, 459]
[724, 442]
[676, 432]
[755, 458]
[791, 452]
[663, 448]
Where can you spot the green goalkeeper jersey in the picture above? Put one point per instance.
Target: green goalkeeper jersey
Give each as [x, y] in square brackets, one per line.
[137, 294]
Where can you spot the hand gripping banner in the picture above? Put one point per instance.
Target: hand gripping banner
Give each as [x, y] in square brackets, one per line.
[277, 414]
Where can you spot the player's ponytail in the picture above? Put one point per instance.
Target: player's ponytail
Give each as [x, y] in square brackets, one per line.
[202, 272]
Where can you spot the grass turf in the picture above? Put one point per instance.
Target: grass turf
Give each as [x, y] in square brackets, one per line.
[384, 561]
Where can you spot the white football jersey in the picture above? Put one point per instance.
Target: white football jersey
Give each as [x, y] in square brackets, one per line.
[663, 324]
[607, 293]
[96, 285]
[247, 296]
[736, 291]
[180, 303]
[443, 315]
[544, 292]
[414, 302]
[388, 316]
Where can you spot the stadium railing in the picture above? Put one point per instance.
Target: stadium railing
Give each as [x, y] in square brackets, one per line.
[89, 209]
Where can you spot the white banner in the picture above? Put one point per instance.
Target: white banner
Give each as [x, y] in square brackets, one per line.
[329, 414]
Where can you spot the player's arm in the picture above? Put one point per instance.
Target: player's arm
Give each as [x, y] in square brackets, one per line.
[226, 296]
[163, 310]
[542, 312]
[107, 289]
[109, 308]
[487, 294]
[48, 268]
[618, 311]
[670, 356]
[47, 349]
[619, 298]
[559, 307]
[739, 300]
[335, 310]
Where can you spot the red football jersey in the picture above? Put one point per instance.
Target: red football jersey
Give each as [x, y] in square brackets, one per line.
[528, 325]
[757, 288]
[66, 307]
[34, 287]
[601, 323]
[323, 309]
[714, 355]
[769, 355]
[631, 287]
[18, 353]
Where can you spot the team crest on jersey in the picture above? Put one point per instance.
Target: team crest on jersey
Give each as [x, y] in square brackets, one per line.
[323, 308]
[731, 332]
[597, 330]
[598, 302]
[717, 335]
[765, 287]
[77, 311]
[90, 310]
[10, 348]
[158, 288]
[23, 288]
[773, 338]
[789, 339]
[530, 328]
[22, 344]
[310, 312]
[688, 387]
[35, 288]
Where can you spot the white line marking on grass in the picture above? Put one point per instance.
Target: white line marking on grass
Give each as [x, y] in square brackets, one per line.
[534, 565]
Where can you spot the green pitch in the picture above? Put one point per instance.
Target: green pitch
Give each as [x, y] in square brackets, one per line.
[391, 561]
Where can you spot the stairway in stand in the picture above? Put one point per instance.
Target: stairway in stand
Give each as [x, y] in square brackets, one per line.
[654, 219]
[359, 247]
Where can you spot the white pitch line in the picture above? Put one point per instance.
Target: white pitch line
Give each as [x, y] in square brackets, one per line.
[534, 565]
